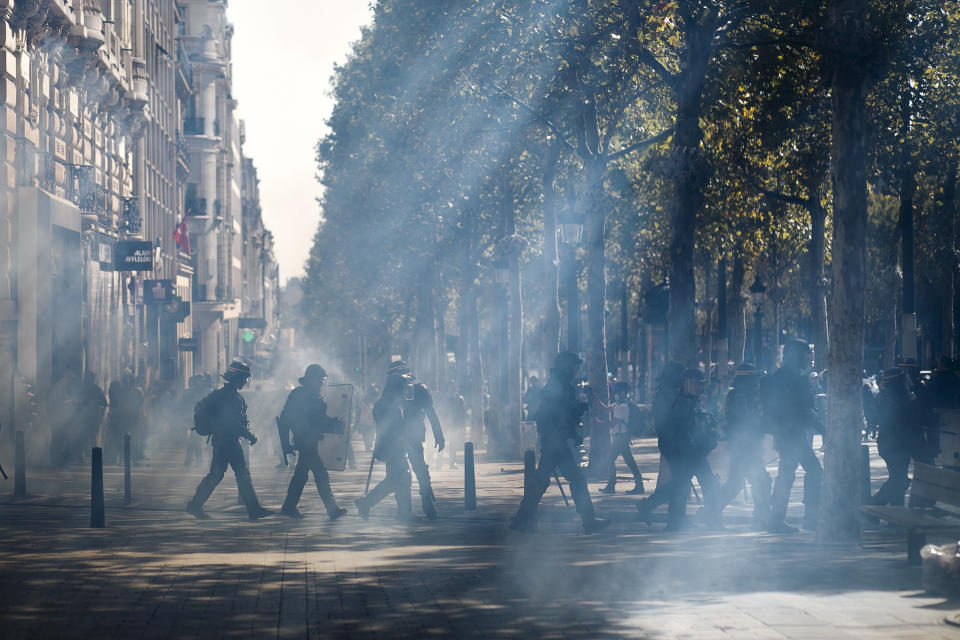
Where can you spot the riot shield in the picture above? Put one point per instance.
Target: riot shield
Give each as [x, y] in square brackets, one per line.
[332, 448]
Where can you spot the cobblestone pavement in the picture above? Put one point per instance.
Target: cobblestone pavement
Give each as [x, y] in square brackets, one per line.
[157, 572]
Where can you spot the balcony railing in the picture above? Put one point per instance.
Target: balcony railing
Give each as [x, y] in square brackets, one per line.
[193, 126]
[196, 206]
[131, 220]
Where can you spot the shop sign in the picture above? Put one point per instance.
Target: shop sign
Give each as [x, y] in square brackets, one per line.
[133, 255]
[157, 291]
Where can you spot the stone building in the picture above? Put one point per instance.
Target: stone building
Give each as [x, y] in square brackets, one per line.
[259, 313]
[213, 191]
[116, 124]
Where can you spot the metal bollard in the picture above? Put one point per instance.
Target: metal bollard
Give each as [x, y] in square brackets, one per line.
[96, 490]
[20, 468]
[864, 474]
[127, 497]
[469, 479]
[529, 468]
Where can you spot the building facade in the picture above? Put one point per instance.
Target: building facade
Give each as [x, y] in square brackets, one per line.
[117, 125]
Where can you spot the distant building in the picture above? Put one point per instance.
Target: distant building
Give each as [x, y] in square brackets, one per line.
[260, 314]
[117, 124]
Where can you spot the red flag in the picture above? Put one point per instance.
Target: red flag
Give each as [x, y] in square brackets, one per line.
[181, 236]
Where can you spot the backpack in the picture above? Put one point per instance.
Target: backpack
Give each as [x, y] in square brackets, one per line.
[203, 419]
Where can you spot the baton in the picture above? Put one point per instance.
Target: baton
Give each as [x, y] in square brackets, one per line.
[560, 485]
[3, 473]
[369, 475]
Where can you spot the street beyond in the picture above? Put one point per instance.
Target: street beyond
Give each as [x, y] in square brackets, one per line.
[155, 571]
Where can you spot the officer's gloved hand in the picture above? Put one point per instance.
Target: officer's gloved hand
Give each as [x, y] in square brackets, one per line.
[252, 438]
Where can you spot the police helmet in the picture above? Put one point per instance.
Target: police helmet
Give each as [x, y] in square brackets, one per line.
[567, 361]
[399, 368]
[797, 345]
[745, 374]
[314, 374]
[237, 371]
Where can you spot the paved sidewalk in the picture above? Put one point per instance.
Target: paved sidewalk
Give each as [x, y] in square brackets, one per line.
[157, 572]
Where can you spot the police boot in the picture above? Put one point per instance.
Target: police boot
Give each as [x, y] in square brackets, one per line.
[291, 512]
[334, 512]
[523, 525]
[595, 525]
[196, 511]
[362, 507]
[427, 499]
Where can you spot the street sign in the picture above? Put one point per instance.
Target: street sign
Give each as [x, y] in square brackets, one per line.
[251, 323]
[187, 344]
[157, 291]
[133, 255]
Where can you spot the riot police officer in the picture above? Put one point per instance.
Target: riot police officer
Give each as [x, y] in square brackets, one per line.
[902, 435]
[224, 412]
[415, 409]
[665, 394]
[558, 419]
[305, 414]
[687, 437]
[392, 443]
[744, 442]
[789, 410]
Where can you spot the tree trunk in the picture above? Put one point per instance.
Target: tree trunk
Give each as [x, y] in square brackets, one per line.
[816, 251]
[595, 229]
[687, 200]
[551, 263]
[947, 233]
[908, 187]
[514, 415]
[425, 335]
[737, 309]
[839, 519]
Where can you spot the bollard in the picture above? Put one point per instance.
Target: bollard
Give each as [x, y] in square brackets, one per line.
[96, 490]
[126, 469]
[469, 479]
[20, 468]
[864, 474]
[529, 468]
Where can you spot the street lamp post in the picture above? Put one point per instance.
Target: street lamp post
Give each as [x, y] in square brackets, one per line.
[757, 289]
[571, 233]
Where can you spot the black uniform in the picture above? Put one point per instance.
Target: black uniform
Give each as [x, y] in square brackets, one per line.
[558, 418]
[227, 413]
[789, 409]
[390, 448]
[414, 412]
[686, 440]
[305, 414]
[903, 434]
[665, 394]
[744, 441]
